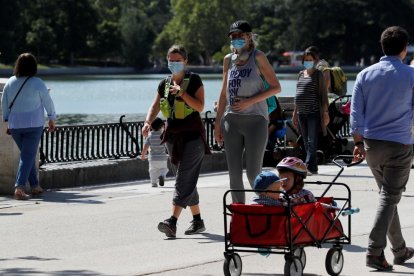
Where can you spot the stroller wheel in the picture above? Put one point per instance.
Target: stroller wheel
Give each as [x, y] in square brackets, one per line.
[334, 261]
[347, 160]
[232, 265]
[293, 266]
[320, 157]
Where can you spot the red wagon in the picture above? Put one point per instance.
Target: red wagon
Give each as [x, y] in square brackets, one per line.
[288, 229]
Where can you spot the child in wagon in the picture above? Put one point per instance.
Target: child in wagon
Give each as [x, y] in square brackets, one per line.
[292, 172]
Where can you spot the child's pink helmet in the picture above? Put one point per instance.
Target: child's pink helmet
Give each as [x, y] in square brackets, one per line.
[293, 164]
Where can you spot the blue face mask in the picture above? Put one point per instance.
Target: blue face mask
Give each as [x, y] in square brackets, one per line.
[308, 64]
[238, 43]
[176, 67]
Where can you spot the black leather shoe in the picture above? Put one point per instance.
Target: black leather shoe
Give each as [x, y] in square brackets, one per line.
[409, 253]
[378, 262]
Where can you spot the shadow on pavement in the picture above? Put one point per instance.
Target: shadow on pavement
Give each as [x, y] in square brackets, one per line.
[67, 197]
[28, 271]
[11, 214]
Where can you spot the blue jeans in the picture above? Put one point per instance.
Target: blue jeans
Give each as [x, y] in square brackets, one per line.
[27, 139]
[310, 125]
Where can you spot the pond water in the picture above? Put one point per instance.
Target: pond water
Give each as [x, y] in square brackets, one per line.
[104, 98]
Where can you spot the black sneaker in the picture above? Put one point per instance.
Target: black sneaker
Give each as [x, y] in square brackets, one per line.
[378, 262]
[197, 226]
[168, 228]
[161, 180]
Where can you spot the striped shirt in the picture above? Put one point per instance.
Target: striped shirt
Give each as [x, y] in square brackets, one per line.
[307, 98]
[157, 151]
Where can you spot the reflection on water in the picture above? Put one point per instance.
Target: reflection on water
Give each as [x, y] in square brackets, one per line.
[88, 119]
[103, 99]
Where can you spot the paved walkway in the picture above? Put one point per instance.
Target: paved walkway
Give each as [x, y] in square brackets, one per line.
[111, 230]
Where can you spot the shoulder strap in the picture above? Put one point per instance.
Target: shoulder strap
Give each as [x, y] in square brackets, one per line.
[186, 81]
[18, 92]
[167, 86]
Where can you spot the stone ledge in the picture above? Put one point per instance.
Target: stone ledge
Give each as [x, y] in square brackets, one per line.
[109, 171]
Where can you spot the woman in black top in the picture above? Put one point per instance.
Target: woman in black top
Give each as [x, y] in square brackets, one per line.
[180, 97]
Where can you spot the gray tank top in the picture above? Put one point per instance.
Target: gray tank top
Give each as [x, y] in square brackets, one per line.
[245, 81]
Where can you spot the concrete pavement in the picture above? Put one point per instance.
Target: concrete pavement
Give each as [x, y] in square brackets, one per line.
[112, 230]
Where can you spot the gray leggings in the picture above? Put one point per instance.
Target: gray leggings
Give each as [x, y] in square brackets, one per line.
[248, 134]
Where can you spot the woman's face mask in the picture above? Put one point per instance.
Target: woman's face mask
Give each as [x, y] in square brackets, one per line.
[308, 64]
[238, 43]
[176, 67]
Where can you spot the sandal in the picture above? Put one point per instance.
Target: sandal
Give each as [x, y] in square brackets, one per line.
[37, 191]
[19, 194]
[378, 262]
[409, 253]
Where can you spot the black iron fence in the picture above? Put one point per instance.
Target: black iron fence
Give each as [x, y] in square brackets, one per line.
[108, 141]
[100, 141]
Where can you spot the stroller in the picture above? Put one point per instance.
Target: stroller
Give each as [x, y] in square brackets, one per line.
[333, 143]
[289, 229]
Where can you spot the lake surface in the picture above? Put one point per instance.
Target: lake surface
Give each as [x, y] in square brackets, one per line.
[103, 99]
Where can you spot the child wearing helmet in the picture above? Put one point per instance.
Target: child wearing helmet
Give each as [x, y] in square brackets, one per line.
[294, 170]
[267, 182]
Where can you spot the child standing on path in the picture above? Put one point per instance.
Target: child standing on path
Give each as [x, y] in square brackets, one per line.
[157, 158]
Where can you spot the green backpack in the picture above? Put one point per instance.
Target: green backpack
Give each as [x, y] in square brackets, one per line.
[338, 80]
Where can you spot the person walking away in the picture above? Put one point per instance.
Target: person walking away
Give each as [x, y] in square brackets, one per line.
[25, 97]
[382, 109]
[310, 113]
[157, 157]
[242, 115]
[180, 97]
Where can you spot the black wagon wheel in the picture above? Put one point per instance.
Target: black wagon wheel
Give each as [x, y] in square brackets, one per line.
[293, 266]
[300, 253]
[334, 261]
[232, 265]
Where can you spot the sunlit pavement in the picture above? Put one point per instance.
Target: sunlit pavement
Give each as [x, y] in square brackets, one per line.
[112, 230]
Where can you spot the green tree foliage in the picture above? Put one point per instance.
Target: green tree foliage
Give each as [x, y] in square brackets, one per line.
[105, 42]
[9, 26]
[139, 32]
[201, 26]
[141, 21]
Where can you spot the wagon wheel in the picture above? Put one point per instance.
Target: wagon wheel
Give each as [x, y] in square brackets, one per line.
[293, 266]
[300, 253]
[232, 265]
[334, 261]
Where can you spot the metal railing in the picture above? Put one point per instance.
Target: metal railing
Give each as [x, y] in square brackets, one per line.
[108, 141]
[101, 141]
[90, 142]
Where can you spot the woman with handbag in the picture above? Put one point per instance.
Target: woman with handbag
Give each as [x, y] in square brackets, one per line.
[243, 115]
[25, 97]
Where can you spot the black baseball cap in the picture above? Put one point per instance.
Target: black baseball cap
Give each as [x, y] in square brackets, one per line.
[240, 26]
